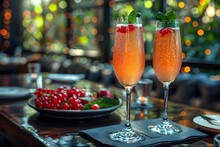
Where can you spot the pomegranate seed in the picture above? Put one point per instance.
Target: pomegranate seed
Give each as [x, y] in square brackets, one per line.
[165, 31]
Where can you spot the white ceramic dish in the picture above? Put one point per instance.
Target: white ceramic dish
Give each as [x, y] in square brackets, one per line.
[12, 93]
[203, 124]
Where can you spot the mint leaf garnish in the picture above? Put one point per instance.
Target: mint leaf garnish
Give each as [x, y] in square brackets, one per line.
[132, 17]
[171, 16]
[103, 102]
[106, 102]
[161, 16]
[167, 19]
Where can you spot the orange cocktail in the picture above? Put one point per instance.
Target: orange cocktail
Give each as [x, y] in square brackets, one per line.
[167, 60]
[128, 63]
[167, 56]
[128, 53]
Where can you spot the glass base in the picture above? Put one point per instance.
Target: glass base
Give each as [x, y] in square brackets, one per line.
[165, 128]
[127, 135]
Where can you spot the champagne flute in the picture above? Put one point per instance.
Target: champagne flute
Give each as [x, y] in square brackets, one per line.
[167, 60]
[128, 63]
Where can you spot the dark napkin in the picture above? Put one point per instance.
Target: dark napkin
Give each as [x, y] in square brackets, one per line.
[100, 135]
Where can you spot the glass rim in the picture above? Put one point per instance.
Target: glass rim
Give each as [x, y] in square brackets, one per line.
[124, 20]
[161, 24]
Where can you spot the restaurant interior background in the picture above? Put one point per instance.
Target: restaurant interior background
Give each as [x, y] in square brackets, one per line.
[76, 36]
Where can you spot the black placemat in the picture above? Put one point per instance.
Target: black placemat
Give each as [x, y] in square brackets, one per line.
[100, 135]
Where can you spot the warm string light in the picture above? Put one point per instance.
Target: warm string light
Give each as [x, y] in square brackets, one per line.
[186, 69]
[5, 30]
[206, 18]
[181, 5]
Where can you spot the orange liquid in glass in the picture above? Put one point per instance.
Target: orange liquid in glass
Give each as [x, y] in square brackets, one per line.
[167, 55]
[128, 54]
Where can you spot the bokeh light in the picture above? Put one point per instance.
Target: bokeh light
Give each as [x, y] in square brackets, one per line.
[195, 24]
[202, 2]
[3, 32]
[53, 7]
[218, 13]
[38, 9]
[111, 3]
[200, 32]
[183, 55]
[205, 19]
[83, 40]
[7, 14]
[188, 42]
[148, 4]
[210, 11]
[49, 17]
[62, 4]
[94, 19]
[39, 21]
[86, 19]
[181, 5]
[187, 19]
[208, 51]
[26, 14]
[94, 31]
[186, 69]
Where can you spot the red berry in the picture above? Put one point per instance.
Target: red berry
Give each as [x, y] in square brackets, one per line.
[72, 100]
[131, 28]
[84, 102]
[38, 103]
[95, 106]
[62, 98]
[165, 31]
[169, 30]
[105, 93]
[125, 29]
[65, 106]
[82, 94]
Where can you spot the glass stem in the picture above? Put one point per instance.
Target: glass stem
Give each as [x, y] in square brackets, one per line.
[128, 105]
[166, 92]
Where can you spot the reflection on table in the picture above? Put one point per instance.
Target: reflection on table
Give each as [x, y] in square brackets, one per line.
[40, 130]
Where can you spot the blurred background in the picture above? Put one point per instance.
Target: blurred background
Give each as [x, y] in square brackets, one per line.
[76, 36]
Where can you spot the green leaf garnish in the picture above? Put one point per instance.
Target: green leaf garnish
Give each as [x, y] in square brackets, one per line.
[106, 102]
[167, 18]
[161, 16]
[132, 17]
[171, 16]
[103, 102]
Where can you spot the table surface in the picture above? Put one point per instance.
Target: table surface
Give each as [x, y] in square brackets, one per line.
[45, 131]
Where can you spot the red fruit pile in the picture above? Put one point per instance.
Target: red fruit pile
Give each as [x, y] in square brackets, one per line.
[165, 31]
[63, 98]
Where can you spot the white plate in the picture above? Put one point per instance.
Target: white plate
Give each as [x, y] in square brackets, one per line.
[66, 77]
[205, 125]
[12, 92]
[73, 114]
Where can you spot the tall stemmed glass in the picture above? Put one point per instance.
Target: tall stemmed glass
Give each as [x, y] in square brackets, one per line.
[128, 62]
[167, 60]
